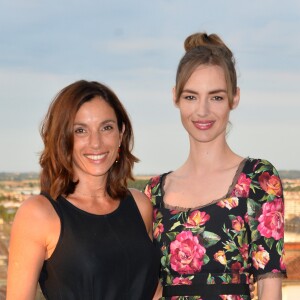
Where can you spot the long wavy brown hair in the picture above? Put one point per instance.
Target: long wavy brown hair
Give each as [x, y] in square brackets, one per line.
[57, 133]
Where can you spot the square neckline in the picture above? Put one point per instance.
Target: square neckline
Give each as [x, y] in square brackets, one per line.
[165, 205]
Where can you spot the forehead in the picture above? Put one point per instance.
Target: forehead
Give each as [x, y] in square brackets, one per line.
[212, 74]
[96, 108]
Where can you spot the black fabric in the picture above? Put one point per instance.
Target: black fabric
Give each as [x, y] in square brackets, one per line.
[100, 256]
[224, 241]
[212, 291]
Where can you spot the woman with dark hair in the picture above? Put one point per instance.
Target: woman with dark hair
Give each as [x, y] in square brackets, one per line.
[86, 235]
[219, 218]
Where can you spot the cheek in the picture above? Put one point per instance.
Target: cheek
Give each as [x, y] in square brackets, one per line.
[223, 112]
[78, 143]
[185, 111]
[226, 116]
[184, 121]
[111, 143]
[75, 153]
[186, 115]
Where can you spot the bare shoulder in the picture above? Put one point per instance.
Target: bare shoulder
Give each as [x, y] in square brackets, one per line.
[145, 208]
[141, 200]
[36, 206]
[35, 210]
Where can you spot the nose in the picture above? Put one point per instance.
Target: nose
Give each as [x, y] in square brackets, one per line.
[95, 140]
[202, 107]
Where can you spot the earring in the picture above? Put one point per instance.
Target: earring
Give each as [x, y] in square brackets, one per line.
[118, 156]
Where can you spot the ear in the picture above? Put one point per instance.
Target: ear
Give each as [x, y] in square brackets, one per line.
[174, 96]
[236, 99]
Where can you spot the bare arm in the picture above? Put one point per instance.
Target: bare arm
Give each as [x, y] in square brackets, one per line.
[28, 248]
[269, 288]
[158, 292]
[145, 209]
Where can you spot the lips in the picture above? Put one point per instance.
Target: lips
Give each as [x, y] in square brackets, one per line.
[203, 125]
[95, 157]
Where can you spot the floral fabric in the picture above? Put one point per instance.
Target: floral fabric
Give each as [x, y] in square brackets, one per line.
[227, 240]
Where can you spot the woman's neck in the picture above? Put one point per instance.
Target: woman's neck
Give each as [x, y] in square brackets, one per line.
[210, 157]
[93, 186]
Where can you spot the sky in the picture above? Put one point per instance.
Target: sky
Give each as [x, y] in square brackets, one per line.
[134, 47]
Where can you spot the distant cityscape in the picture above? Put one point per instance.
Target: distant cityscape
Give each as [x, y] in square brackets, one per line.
[18, 176]
[16, 187]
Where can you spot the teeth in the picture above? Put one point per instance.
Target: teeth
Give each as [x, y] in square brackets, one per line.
[204, 124]
[95, 157]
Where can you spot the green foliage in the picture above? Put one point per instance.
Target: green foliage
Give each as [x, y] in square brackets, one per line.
[138, 184]
[292, 188]
[7, 214]
[6, 176]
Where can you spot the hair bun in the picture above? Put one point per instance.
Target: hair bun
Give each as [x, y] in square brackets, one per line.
[203, 39]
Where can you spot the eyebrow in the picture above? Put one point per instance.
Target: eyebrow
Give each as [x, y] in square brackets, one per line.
[102, 123]
[210, 92]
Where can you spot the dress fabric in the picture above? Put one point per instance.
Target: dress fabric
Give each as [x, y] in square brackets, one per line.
[209, 252]
[103, 257]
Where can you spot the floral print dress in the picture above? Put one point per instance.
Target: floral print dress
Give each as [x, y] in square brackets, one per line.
[210, 252]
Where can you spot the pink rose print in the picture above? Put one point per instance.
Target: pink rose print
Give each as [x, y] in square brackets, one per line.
[246, 218]
[158, 230]
[270, 184]
[181, 281]
[271, 220]
[236, 268]
[282, 264]
[155, 180]
[220, 257]
[242, 187]
[275, 271]
[147, 191]
[255, 165]
[186, 253]
[196, 218]
[229, 203]
[231, 297]
[237, 223]
[260, 257]
[244, 251]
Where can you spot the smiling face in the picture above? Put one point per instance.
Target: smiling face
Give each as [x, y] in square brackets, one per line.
[204, 105]
[96, 138]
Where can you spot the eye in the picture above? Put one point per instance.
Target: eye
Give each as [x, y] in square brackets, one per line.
[217, 98]
[107, 127]
[189, 97]
[79, 130]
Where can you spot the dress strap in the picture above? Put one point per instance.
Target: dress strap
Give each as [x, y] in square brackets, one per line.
[54, 203]
[206, 290]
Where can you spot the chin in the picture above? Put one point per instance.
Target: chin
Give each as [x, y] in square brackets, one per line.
[90, 172]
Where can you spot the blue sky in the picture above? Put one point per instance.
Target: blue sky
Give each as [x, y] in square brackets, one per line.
[134, 47]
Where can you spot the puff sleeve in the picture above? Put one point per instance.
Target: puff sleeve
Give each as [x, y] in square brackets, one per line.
[265, 209]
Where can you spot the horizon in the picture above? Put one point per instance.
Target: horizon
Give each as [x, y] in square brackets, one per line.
[35, 173]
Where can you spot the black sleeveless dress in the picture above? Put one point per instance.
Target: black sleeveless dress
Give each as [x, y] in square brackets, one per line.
[100, 256]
